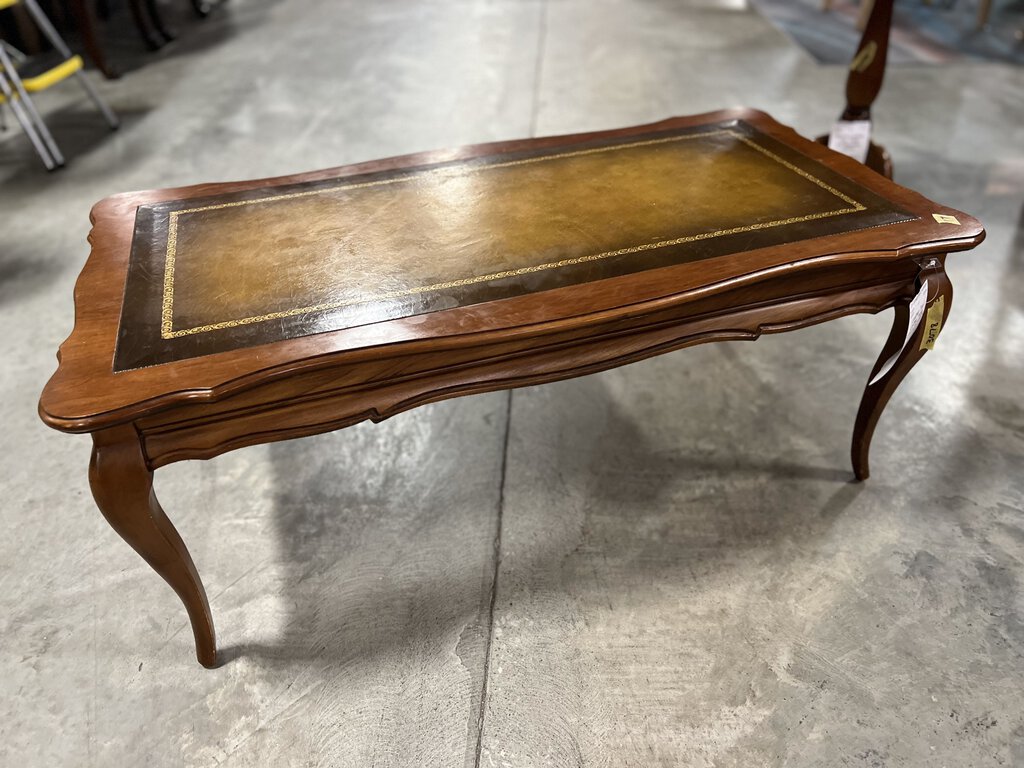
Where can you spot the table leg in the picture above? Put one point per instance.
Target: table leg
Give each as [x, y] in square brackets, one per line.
[984, 10]
[122, 485]
[876, 395]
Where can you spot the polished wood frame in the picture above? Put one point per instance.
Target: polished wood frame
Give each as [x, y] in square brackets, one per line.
[200, 407]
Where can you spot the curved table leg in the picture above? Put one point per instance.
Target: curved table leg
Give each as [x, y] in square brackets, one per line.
[122, 485]
[906, 351]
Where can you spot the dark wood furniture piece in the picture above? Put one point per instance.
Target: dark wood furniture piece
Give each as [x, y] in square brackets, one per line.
[222, 315]
[85, 21]
[864, 81]
[146, 16]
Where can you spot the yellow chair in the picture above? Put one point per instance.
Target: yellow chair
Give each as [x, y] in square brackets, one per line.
[15, 89]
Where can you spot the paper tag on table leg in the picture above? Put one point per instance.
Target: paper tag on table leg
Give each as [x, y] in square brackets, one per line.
[916, 313]
[852, 138]
[933, 323]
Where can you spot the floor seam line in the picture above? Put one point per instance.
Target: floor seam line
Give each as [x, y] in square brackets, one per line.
[534, 112]
[494, 584]
[538, 68]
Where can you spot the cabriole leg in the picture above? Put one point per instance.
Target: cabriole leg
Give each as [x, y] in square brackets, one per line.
[122, 485]
[899, 355]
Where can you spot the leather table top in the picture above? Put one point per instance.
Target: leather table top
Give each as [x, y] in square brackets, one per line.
[193, 293]
[228, 271]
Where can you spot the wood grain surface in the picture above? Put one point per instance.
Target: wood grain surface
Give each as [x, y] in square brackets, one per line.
[85, 394]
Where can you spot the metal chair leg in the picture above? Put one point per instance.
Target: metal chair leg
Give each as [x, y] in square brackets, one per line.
[43, 22]
[101, 105]
[23, 101]
[26, 124]
[58, 42]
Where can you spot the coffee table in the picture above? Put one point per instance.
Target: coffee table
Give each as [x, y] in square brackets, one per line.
[216, 316]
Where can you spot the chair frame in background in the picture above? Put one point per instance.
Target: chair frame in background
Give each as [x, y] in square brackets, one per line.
[13, 89]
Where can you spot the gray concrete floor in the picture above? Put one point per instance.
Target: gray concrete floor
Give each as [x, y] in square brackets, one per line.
[685, 575]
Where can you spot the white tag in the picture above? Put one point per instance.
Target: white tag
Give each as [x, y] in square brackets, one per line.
[917, 307]
[852, 138]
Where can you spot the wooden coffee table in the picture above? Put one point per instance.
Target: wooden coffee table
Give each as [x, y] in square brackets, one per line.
[222, 315]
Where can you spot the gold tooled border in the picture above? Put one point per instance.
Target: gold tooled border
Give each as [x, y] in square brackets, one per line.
[167, 330]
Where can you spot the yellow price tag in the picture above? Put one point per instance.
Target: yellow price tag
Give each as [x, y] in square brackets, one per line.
[933, 323]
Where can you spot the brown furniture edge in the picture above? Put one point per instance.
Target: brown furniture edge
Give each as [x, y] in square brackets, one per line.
[227, 373]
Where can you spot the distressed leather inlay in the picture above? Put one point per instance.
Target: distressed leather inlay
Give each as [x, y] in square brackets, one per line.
[222, 272]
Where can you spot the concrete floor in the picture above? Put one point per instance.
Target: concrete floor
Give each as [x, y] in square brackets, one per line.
[684, 574]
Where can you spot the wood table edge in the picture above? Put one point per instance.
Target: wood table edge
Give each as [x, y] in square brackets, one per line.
[967, 234]
[255, 378]
[286, 399]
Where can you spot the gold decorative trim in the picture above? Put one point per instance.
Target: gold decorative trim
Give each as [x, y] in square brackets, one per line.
[933, 322]
[167, 330]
